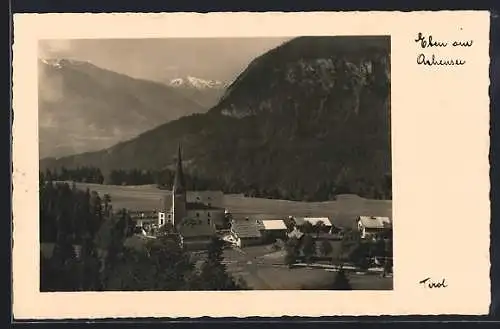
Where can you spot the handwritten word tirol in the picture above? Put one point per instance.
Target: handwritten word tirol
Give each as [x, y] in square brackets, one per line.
[428, 42]
[428, 283]
[433, 61]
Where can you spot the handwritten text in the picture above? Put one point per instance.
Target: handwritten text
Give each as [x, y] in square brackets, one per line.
[428, 283]
[428, 41]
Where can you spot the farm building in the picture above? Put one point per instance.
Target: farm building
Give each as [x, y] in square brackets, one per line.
[269, 226]
[373, 227]
[246, 232]
[145, 218]
[272, 229]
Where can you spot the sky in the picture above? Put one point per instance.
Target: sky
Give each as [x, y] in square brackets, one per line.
[164, 59]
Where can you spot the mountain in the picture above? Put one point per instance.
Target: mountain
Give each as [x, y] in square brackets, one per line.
[197, 83]
[207, 93]
[84, 108]
[306, 120]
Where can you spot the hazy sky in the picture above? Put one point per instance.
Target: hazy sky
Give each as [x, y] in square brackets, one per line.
[164, 59]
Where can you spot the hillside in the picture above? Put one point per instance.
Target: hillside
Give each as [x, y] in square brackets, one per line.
[307, 120]
[85, 108]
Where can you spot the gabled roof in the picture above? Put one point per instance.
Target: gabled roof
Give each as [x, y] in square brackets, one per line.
[278, 224]
[376, 222]
[195, 231]
[246, 228]
[147, 214]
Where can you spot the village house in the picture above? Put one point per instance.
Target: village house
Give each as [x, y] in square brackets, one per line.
[271, 228]
[145, 220]
[196, 237]
[246, 232]
[374, 227]
[257, 229]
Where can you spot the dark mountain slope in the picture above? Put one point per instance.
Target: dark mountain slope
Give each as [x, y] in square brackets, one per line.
[308, 118]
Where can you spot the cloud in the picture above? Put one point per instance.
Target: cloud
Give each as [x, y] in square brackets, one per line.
[54, 48]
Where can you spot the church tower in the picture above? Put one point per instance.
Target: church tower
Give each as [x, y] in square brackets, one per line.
[179, 211]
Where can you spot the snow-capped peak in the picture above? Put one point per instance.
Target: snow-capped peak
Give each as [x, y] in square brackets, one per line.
[197, 83]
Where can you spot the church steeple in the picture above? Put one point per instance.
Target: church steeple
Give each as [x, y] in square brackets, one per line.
[179, 182]
[179, 210]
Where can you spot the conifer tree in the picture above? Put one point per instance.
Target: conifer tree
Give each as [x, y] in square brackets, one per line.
[341, 281]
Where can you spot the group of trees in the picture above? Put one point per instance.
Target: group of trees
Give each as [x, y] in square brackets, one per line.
[351, 249]
[78, 227]
[324, 190]
[90, 253]
[79, 174]
[162, 265]
[162, 178]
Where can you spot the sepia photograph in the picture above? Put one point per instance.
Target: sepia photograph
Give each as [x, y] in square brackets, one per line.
[212, 164]
[294, 164]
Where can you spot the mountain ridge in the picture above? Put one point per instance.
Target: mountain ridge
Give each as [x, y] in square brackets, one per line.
[83, 107]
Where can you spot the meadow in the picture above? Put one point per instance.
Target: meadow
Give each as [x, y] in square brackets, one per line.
[343, 210]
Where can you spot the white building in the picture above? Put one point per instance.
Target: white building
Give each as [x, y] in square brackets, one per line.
[372, 227]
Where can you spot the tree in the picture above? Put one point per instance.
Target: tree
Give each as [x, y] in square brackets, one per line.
[308, 247]
[307, 228]
[325, 248]
[107, 202]
[341, 281]
[213, 273]
[159, 265]
[292, 248]
[318, 227]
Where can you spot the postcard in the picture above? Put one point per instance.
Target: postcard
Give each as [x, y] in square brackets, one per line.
[250, 164]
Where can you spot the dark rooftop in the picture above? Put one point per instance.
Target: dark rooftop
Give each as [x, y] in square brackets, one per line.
[193, 231]
[246, 228]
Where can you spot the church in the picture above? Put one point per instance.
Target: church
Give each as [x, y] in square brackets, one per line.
[195, 215]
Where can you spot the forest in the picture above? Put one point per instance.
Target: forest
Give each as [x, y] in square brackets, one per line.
[325, 190]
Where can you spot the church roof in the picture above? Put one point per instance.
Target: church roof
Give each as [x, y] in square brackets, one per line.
[194, 231]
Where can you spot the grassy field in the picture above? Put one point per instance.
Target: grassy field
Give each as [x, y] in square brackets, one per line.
[344, 210]
[260, 269]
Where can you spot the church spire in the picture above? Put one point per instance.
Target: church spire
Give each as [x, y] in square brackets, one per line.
[179, 183]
